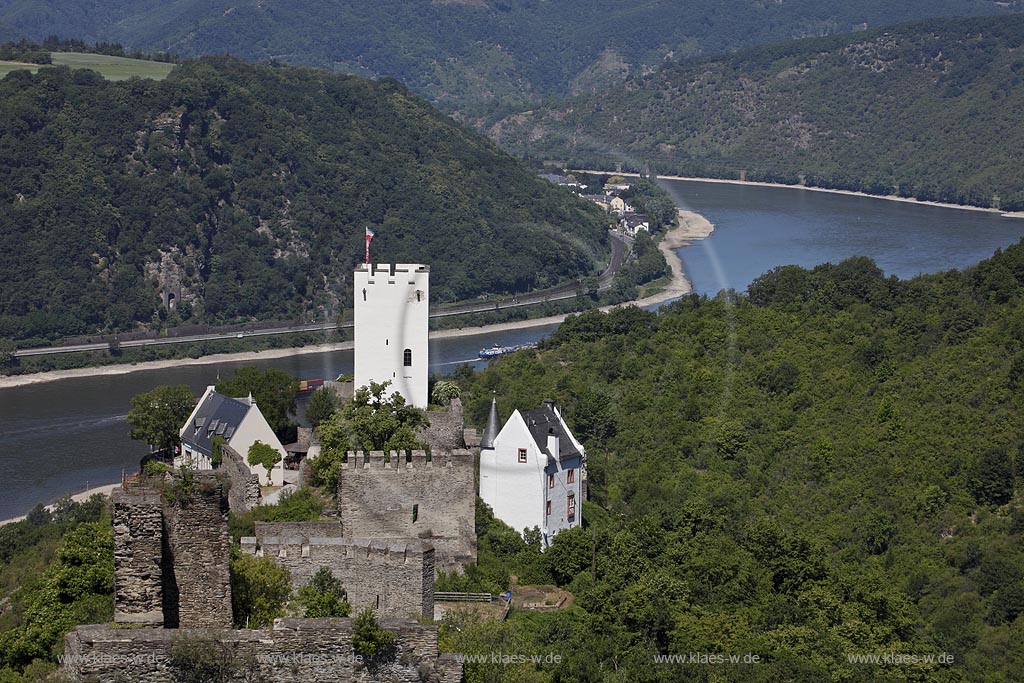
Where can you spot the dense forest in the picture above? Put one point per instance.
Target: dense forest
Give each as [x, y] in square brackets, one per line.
[245, 190]
[825, 466]
[467, 55]
[926, 110]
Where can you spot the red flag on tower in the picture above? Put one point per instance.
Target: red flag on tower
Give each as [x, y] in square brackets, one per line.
[369, 236]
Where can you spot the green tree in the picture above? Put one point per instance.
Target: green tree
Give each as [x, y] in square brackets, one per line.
[273, 390]
[76, 589]
[992, 478]
[370, 422]
[369, 639]
[264, 455]
[7, 350]
[217, 444]
[444, 391]
[157, 416]
[322, 405]
[381, 423]
[259, 590]
[323, 596]
[203, 659]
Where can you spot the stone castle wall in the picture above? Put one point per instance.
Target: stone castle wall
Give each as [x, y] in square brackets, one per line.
[138, 557]
[242, 486]
[401, 498]
[394, 578]
[444, 434]
[293, 651]
[197, 586]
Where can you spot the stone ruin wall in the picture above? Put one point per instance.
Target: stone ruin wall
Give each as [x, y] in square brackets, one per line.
[394, 578]
[315, 651]
[240, 483]
[402, 498]
[445, 431]
[171, 560]
[198, 549]
[138, 557]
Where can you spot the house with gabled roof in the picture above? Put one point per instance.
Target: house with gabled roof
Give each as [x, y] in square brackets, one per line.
[531, 471]
[236, 420]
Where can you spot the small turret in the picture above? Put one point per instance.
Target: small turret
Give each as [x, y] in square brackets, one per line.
[492, 428]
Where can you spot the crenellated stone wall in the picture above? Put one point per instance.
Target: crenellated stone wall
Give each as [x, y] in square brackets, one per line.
[395, 578]
[293, 651]
[138, 557]
[403, 497]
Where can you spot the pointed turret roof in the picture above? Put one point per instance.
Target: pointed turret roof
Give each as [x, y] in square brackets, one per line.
[492, 428]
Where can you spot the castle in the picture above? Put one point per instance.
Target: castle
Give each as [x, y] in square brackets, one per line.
[531, 471]
[172, 587]
[402, 516]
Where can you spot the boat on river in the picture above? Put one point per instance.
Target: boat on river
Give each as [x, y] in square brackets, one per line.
[495, 351]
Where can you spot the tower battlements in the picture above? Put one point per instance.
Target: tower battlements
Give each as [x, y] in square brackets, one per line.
[417, 460]
[391, 327]
[394, 577]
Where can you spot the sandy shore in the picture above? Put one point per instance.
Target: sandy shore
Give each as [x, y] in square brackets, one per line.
[78, 498]
[692, 226]
[852, 193]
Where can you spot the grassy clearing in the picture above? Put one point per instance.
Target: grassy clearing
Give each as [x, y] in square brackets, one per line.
[8, 67]
[111, 68]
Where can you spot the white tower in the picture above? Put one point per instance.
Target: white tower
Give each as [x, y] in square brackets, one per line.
[391, 328]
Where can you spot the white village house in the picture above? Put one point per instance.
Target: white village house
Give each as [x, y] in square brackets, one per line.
[239, 422]
[531, 471]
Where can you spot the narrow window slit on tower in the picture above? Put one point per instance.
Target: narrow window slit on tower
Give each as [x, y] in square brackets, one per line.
[415, 512]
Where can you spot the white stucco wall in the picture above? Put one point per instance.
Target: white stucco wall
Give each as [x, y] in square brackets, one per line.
[518, 493]
[391, 315]
[514, 490]
[254, 428]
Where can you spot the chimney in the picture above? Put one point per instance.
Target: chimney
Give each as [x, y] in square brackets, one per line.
[553, 444]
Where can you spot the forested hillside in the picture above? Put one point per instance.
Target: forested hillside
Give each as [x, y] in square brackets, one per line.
[826, 466]
[930, 110]
[467, 54]
[245, 190]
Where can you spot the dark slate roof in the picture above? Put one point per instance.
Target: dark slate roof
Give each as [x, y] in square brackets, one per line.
[544, 421]
[492, 428]
[217, 416]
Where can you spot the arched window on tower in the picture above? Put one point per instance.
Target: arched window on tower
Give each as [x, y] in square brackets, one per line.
[364, 293]
[407, 358]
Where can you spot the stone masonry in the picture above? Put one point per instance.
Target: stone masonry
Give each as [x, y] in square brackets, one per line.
[394, 578]
[138, 557]
[293, 651]
[197, 554]
[171, 559]
[403, 498]
[242, 486]
[445, 431]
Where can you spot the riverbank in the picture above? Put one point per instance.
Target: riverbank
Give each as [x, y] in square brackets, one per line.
[851, 193]
[691, 226]
[78, 498]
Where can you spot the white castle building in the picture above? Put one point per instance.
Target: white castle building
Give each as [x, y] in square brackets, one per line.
[391, 328]
[531, 471]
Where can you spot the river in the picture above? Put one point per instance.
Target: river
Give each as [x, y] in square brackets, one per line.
[65, 436]
[758, 228]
